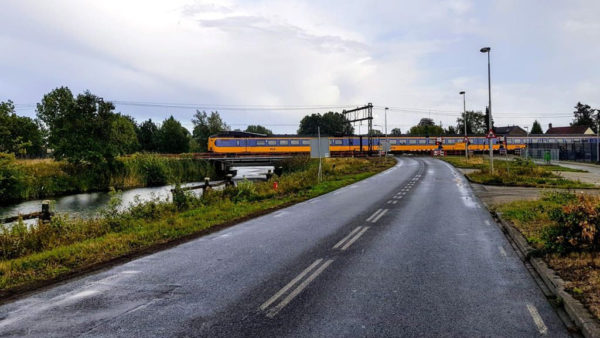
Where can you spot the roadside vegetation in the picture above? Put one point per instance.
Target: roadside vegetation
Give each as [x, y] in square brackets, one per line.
[516, 172]
[564, 228]
[33, 179]
[34, 255]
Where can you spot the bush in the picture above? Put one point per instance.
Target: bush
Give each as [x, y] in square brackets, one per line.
[576, 226]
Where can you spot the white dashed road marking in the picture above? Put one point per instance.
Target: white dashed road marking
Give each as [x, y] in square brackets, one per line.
[374, 215]
[355, 238]
[338, 244]
[374, 220]
[537, 319]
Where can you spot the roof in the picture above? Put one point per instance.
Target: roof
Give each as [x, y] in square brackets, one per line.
[578, 130]
[509, 129]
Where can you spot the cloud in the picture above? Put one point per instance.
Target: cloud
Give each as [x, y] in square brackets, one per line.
[407, 54]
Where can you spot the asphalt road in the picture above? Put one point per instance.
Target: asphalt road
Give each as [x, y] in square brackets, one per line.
[408, 252]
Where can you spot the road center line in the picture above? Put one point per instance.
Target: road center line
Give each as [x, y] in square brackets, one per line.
[338, 244]
[379, 216]
[374, 215]
[355, 238]
[537, 319]
[290, 284]
[273, 312]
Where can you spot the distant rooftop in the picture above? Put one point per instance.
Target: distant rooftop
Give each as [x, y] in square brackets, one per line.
[577, 130]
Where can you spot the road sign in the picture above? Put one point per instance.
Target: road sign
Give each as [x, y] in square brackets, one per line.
[491, 134]
[318, 148]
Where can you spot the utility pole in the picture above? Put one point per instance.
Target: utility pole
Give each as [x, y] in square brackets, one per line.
[463, 93]
[597, 135]
[386, 134]
[487, 50]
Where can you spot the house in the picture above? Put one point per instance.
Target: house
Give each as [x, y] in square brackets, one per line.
[571, 130]
[510, 131]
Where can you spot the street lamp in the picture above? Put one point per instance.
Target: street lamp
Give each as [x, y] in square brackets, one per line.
[487, 50]
[465, 122]
[527, 143]
[386, 134]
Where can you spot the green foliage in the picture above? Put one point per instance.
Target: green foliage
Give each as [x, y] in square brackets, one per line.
[426, 127]
[584, 116]
[205, 126]
[331, 124]
[536, 128]
[396, 132]
[148, 136]
[180, 198]
[19, 135]
[258, 129]
[11, 177]
[30, 179]
[84, 129]
[174, 138]
[476, 123]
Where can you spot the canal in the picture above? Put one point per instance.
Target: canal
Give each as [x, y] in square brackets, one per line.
[88, 204]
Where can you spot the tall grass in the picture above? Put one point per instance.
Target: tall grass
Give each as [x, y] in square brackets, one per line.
[32, 179]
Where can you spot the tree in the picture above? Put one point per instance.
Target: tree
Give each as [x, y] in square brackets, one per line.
[451, 130]
[426, 122]
[148, 136]
[19, 135]
[396, 132]
[584, 116]
[426, 127]
[475, 123]
[205, 126]
[331, 123]
[173, 137]
[81, 129]
[258, 129]
[123, 135]
[536, 128]
[487, 120]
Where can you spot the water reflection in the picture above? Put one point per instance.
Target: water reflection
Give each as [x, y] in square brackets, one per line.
[88, 204]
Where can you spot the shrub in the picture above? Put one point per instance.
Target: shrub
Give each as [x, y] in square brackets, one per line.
[576, 226]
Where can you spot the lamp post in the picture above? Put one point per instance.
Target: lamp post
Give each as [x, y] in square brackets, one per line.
[386, 134]
[465, 122]
[527, 143]
[487, 50]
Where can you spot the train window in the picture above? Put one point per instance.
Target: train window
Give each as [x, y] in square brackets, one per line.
[412, 141]
[283, 142]
[517, 140]
[337, 142]
[393, 141]
[260, 143]
[306, 142]
[295, 142]
[401, 141]
[422, 141]
[272, 142]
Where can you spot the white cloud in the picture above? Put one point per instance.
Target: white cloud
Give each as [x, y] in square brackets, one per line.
[398, 53]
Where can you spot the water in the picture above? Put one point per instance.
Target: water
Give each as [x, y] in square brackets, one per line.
[88, 204]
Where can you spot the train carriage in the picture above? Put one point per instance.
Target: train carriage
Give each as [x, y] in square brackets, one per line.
[248, 143]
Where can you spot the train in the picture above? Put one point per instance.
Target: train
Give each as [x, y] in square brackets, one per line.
[248, 143]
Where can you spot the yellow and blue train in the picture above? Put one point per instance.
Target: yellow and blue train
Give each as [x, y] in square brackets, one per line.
[246, 143]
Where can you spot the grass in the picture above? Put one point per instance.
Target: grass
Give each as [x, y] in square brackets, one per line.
[517, 172]
[581, 270]
[33, 179]
[47, 252]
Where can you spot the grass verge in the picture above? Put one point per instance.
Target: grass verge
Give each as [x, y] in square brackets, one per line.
[518, 172]
[539, 221]
[48, 252]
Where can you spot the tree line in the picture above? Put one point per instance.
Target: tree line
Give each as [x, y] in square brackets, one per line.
[86, 129]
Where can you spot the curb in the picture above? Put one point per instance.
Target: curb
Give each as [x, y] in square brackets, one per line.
[578, 313]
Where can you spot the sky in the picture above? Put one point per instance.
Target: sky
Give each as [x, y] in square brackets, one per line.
[271, 62]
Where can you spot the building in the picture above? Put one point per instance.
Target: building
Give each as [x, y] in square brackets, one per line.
[571, 130]
[510, 131]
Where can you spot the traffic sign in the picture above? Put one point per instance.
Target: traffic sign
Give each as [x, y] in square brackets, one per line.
[491, 134]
